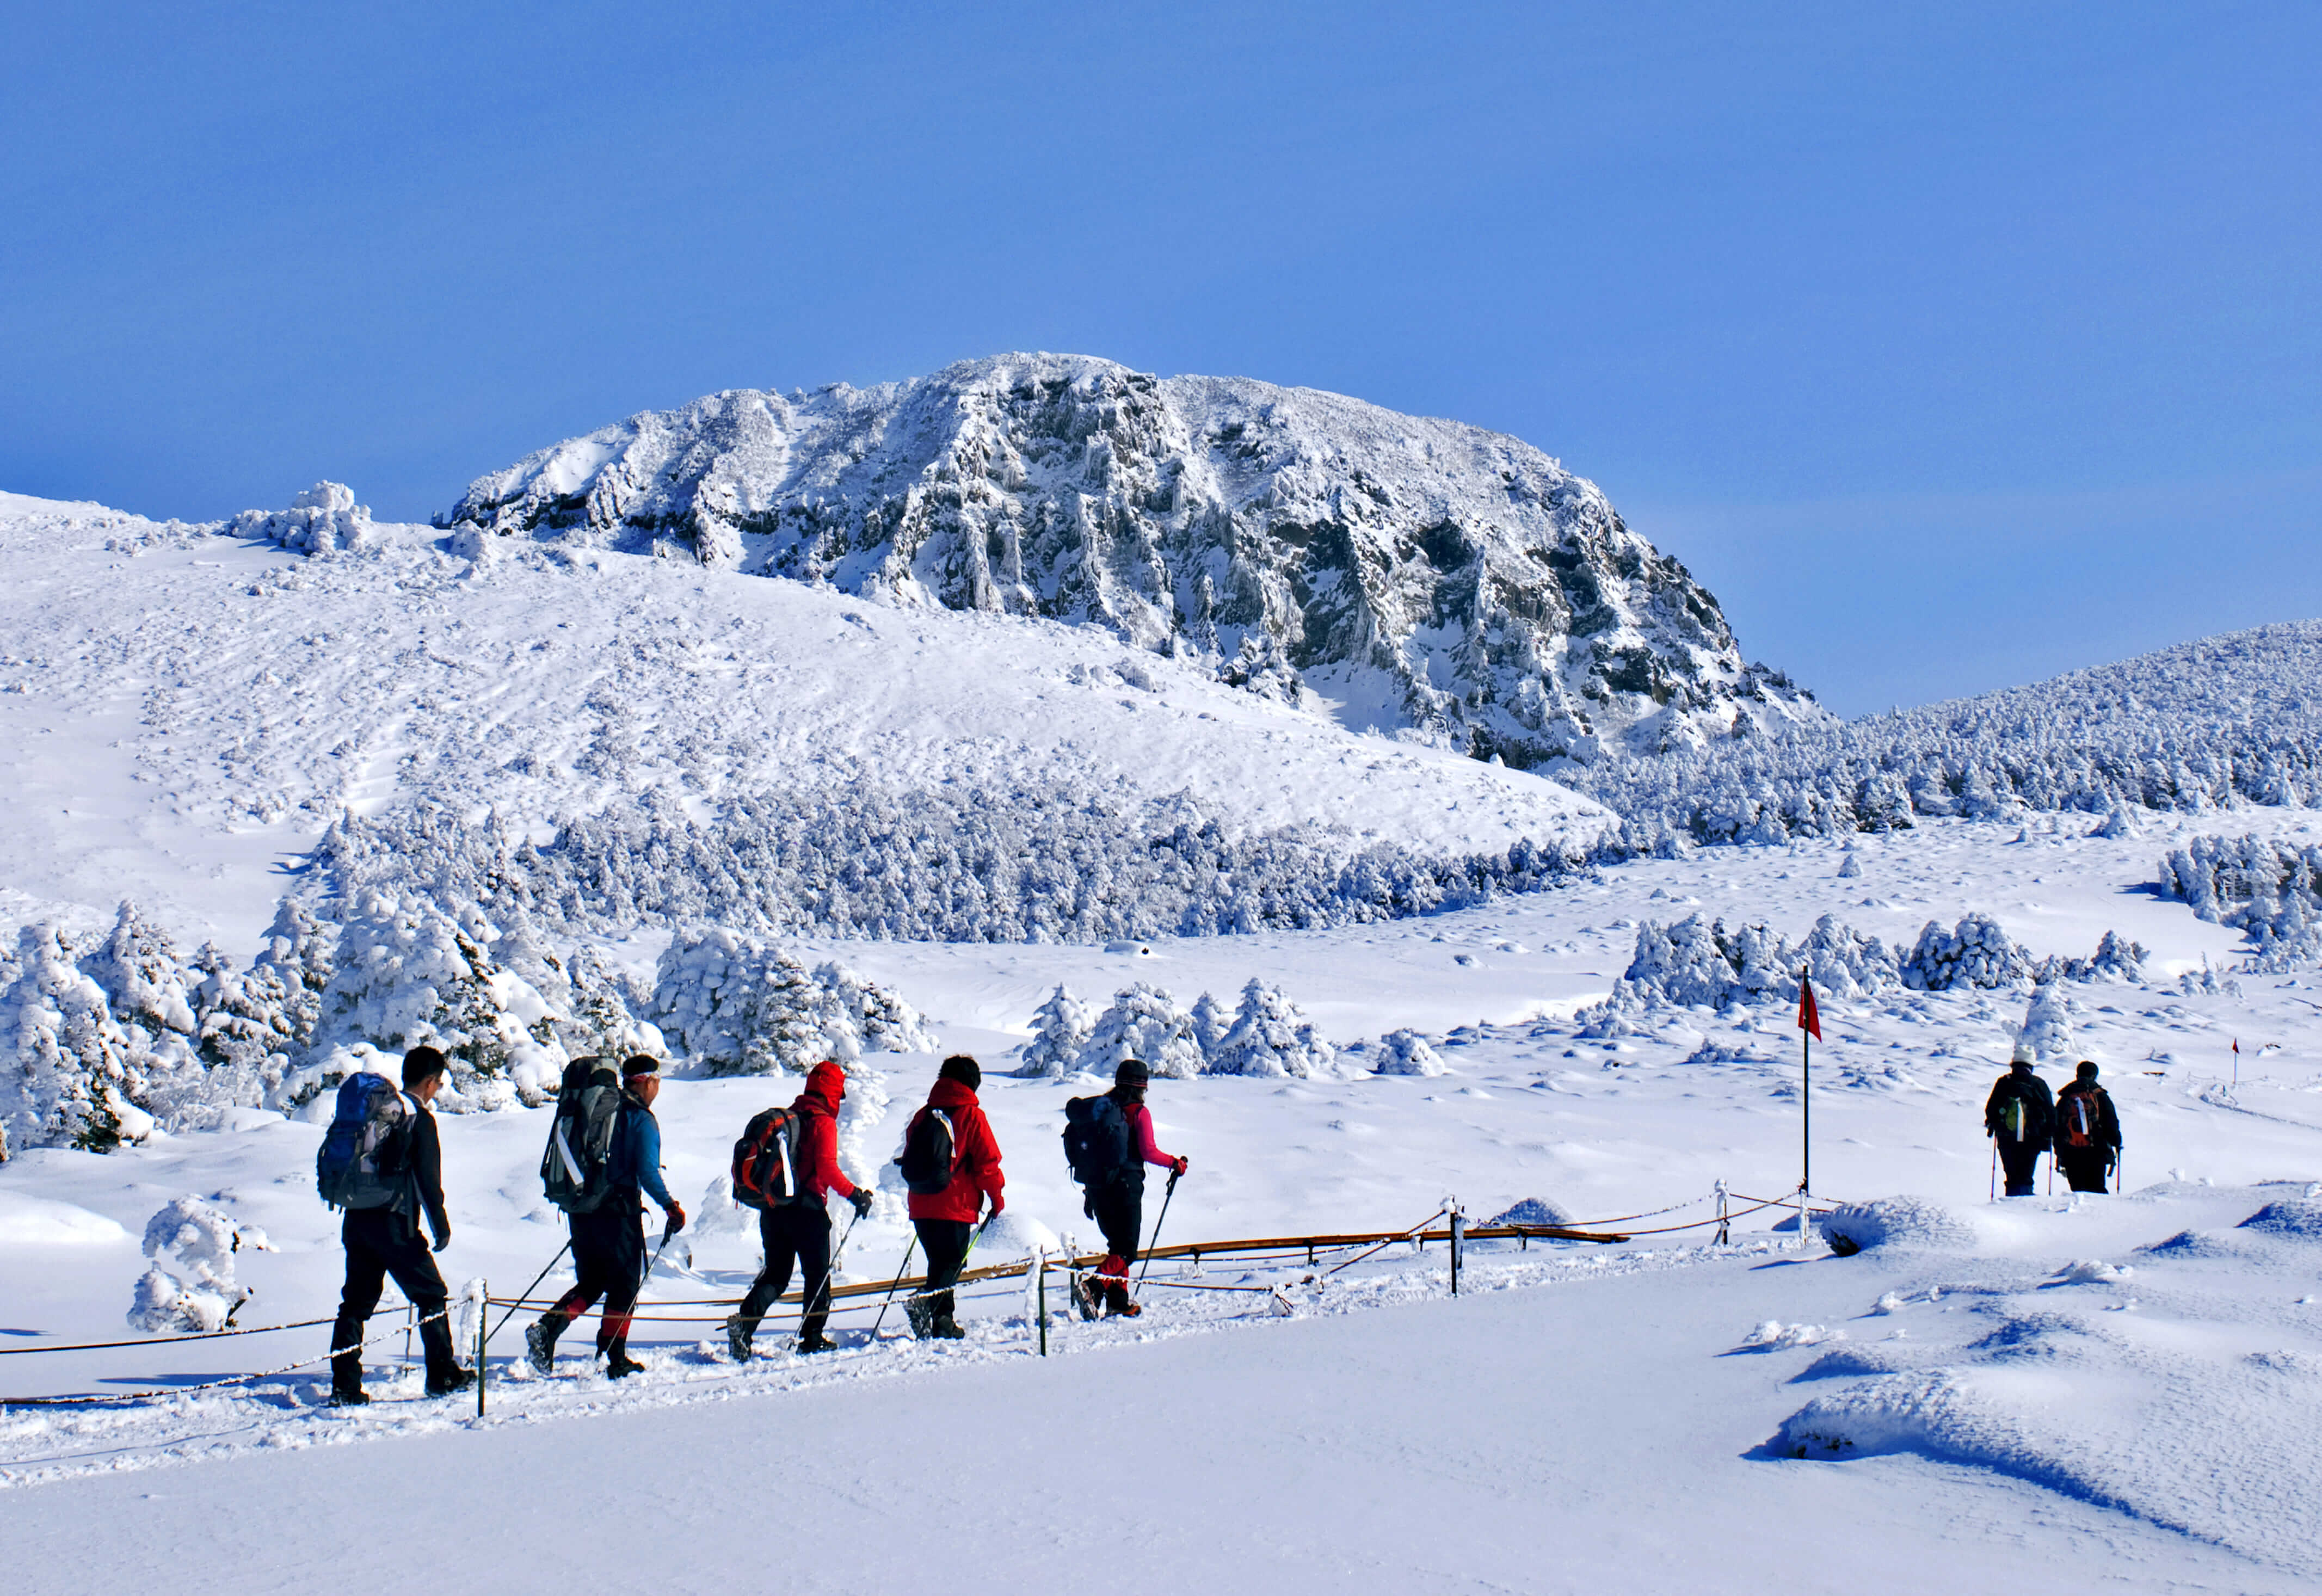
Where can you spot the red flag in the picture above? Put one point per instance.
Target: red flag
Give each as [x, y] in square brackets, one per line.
[1809, 1017]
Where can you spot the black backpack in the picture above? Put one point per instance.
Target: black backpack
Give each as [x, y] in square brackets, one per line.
[929, 1147]
[360, 1164]
[575, 1168]
[1096, 1140]
[765, 1161]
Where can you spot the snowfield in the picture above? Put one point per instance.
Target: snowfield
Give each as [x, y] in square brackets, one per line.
[2099, 1392]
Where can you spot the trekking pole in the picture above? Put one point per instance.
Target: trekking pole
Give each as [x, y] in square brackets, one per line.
[1170, 1192]
[482, 1313]
[1995, 1169]
[1043, 1266]
[521, 1297]
[898, 1281]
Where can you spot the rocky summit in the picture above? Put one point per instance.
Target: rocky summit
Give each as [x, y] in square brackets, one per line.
[1400, 573]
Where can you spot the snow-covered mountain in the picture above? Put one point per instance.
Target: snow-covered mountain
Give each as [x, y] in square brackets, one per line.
[1404, 572]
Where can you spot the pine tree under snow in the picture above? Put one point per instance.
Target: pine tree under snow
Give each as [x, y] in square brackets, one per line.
[1406, 1053]
[70, 1073]
[142, 977]
[1210, 1024]
[1061, 1027]
[744, 1007]
[1144, 1022]
[2047, 1029]
[1271, 1037]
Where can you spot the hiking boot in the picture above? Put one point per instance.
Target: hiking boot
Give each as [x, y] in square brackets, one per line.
[619, 1364]
[947, 1329]
[817, 1343]
[737, 1337]
[1090, 1298]
[921, 1317]
[540, 1347]
[1117, 1300]
[348, 1396]
[451, 1384]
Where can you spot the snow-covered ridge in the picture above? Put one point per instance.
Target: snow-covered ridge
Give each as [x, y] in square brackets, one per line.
[2226, 720]
[1408, 573]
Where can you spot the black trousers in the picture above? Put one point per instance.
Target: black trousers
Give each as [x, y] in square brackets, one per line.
[793, 1234]
[1120, 1214]
[2087, 1169]
[381, 1242]
[2020, 1161]
[609, 1255]
[945, 1242]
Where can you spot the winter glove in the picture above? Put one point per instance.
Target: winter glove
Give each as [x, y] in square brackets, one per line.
[1181, 1166]
[444, 1238]
[861, 1201]
[999, 1205]
[675, 1217]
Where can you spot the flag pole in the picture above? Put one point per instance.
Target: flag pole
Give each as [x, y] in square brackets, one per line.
[1809, 1027]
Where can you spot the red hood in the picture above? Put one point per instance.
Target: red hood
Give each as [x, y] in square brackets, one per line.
[952, 1094]
[825, 1084]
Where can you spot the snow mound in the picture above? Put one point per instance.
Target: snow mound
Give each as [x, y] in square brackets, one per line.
[2093, 1271]
[38, 1222]
[1012, 1234]
[1773, 1335]
[323, 520]
[2297, 1217]
[1533, 1210]
[1900, 1222]
[1406, 1053]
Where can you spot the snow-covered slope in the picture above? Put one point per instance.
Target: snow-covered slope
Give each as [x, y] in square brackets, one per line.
[1412, 573]
[2223, 721]
[183, 710]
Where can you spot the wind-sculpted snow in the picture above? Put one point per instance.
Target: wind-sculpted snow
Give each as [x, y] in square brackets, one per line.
[1411, 573]
[2231, 719]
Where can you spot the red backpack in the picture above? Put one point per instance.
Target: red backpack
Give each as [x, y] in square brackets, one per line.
[2080, 1128]
[765, 1161]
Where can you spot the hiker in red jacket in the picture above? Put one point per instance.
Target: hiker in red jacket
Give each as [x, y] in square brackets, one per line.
[800, 1231]
[946, 1218]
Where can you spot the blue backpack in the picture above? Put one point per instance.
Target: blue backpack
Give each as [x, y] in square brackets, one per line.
[360, 1164]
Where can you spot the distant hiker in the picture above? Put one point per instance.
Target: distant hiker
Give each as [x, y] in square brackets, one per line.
[797, 1229]
[1108, 1140]
[608, 1210]
[951, 1163]
[382, 1161]
[2088, 1132]
[2021, 1117]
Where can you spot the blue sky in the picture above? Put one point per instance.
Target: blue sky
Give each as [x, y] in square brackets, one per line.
[1951, 346]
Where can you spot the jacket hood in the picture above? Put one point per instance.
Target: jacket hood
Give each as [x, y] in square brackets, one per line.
[825, 1084]
[952, 1094]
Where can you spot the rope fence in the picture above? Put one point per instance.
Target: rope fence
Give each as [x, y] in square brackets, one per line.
[1361, 1244]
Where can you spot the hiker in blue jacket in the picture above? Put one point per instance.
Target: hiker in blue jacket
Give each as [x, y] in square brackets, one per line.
[608, 1242]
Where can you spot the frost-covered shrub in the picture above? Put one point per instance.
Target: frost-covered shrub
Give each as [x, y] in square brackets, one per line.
[1210, 1023]
[1844, 963]
[323, 520]
[1406, 1053]
[2047, 1029]
[1976, 952]
[1061, 1027]
[1270, 1036]
[744, 1007]
[1146, 1022]
[190, 1285]
[2270, 889]
[142, 977]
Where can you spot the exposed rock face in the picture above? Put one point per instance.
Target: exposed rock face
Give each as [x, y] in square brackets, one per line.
[1398, 572]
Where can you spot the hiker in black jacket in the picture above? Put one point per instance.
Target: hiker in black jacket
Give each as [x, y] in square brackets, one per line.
[2088, 1132]
[2021, 1117]
[384, 1241]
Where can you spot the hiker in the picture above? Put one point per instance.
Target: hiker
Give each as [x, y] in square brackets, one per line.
[608, 1240]
[2020, 1115]
[2088, 1132]
[797, 1231]
[384, 1240]
[945, 1216]
[1114, 1186]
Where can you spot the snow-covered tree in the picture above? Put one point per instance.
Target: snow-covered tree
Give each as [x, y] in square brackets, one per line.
[1210, 1023]
[1270, 1036]
[740, 1007]
[1407, 1053]
[190, 1285]
[2047, 1029]
[143, 979]
[1061, 1027]
[1144, 1022]
[1976, 952]
[71, 1076]
[883, 1021]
